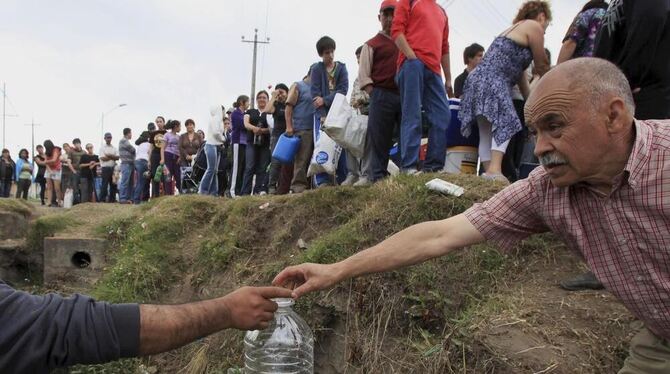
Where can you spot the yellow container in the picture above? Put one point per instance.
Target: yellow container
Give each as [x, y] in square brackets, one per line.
[461, 160]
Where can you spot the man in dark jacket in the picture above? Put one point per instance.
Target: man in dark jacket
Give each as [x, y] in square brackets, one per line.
[40, 333]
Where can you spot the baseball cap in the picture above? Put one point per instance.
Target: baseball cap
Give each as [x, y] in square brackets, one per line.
[388, 4]
[108, 135]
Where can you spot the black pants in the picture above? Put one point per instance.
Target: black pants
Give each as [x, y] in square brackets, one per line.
[512, 158]
[5, 188]
[22, 187]
[43, 187]
[107, 190]
[87, 189]
[155, 160]
[385, 115]
[238, 165]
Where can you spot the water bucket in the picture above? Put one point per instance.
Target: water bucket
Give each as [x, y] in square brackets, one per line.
[286, 148]
[461, 160]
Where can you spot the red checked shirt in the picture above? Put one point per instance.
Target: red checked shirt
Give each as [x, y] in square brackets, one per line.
[624, 237]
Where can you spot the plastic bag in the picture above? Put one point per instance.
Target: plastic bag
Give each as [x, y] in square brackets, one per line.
[325, 157]
[346, 127]
[68, 198]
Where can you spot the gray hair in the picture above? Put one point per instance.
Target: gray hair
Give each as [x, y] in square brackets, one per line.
[600, 80]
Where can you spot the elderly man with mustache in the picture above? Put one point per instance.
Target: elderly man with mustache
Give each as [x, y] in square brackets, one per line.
[604, 189]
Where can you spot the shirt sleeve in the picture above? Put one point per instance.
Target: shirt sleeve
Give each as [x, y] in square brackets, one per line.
[400, 19]
[292, 98]
[40, 333]
[365, 67]
[510, 216]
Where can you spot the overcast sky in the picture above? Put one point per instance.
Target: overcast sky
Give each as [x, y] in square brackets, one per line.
[66, 62]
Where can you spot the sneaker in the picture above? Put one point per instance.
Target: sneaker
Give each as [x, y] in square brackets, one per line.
[363, 182]
[412, 172]
[350, 180]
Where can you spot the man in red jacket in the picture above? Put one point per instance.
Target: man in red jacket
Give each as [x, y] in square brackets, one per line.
[421, 32]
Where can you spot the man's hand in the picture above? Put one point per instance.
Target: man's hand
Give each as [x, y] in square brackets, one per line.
[250, 308]
[450, 90]
[307, 278]
[368, 89]
[318, 102]
[289, 130]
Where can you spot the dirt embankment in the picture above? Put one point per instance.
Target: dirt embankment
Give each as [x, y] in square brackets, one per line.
[476, 311]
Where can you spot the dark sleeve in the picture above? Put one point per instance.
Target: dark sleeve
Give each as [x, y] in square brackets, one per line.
[315, 77]
[459, 84]
[39, 333]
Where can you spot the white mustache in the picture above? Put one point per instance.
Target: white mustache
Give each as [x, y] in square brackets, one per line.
[552, 159]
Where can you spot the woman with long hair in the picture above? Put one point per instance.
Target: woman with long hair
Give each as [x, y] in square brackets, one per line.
[53, 173]
[487, 97]
[239, 144]
[24, 175]
[170, 156]
[7, 169]
[258, 147]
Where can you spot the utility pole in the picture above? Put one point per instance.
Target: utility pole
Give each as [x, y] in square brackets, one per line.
[253, 69]
[4, 115]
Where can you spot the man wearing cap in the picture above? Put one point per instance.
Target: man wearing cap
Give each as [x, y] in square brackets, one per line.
[421, 32]
[376, 76]
[108, 156]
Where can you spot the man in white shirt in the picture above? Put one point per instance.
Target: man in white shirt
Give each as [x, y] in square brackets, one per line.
[108, 157]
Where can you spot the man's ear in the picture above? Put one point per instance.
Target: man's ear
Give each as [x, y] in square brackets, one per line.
[618, 118]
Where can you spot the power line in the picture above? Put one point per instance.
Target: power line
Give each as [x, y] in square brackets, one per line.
[255, 42]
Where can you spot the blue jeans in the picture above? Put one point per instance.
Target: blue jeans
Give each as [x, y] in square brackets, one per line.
[422, 88]
[126, 182]
[141, 166]
[209, 185]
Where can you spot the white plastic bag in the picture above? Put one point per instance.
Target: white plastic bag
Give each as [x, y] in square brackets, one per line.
[346, 127]
[325, 157]
[68, 198]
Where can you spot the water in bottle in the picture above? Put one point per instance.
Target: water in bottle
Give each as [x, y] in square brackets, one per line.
[286, 346]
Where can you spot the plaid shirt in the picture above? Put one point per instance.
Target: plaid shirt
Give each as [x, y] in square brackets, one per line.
[624, 237]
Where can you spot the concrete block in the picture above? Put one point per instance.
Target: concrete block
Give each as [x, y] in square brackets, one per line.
[12, 225]
[74, 262]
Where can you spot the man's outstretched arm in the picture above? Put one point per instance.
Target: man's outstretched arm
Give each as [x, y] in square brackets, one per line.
[411, 246]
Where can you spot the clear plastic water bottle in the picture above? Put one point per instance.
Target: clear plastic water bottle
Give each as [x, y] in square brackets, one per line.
[286, 346]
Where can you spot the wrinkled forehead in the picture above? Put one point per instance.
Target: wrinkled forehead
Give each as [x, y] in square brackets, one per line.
[549, 101]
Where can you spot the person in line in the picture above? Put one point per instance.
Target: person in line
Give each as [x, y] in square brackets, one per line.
[127, 154]
[376, 76]
[580, 39]
[360, 101]
[7, 173]
[421, 32]
[170, 157]
[225, 157]
[635, 35]
[257, 158]
[75, 158]
[209, 185]
[108, 157]
[487, 98]
[599, 190]
[239, 145]
[277, 108]
[87, 170]
[300, 114]
[53, 173]
[472, 57]
[189, 144]
[329, 77]
[143, 149]
[40, 161]
[24, 175]
[57, 332]
[67, 171]
[155, 158]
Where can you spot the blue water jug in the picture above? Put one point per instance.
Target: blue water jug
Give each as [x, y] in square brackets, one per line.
[286, 148]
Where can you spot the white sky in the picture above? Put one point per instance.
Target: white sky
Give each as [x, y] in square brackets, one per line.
[66, 62]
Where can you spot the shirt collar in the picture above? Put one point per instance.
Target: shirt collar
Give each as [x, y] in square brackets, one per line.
[638, 158]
